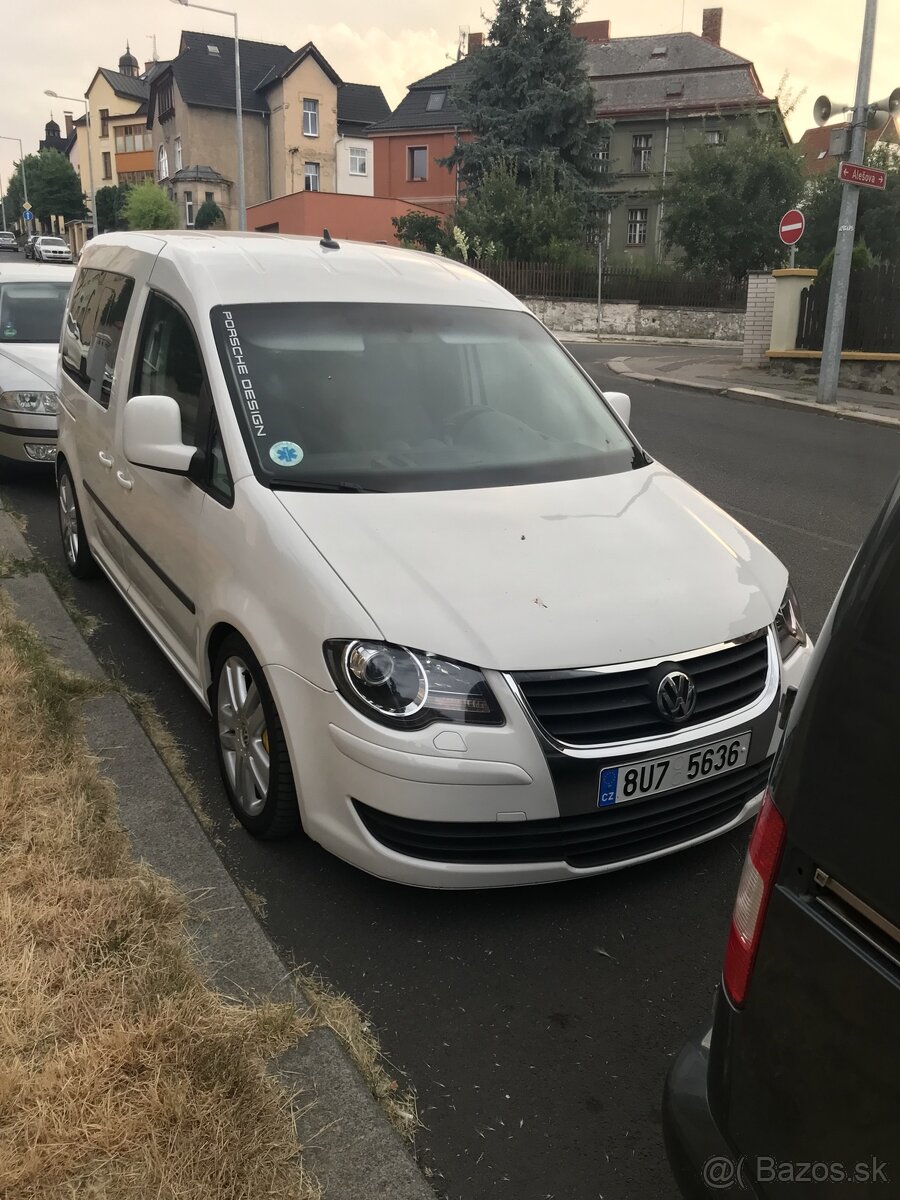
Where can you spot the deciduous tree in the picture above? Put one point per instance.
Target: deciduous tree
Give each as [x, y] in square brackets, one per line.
[148, 207]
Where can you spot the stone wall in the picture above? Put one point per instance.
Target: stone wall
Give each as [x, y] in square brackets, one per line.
[881, 376]
[635, 320]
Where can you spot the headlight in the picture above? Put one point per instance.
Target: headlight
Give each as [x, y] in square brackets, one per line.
[407, 689]
[789, 624]
[33, 402]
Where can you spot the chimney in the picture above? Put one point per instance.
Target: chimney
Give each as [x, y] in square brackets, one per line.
[476, 41]
[70, 126]
[712, 25]
[591, 31]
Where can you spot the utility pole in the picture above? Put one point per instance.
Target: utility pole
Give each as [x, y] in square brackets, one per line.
[830, 369]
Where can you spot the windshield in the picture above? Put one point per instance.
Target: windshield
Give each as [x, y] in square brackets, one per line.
[32, 312]
[402, 397]
[45, 241]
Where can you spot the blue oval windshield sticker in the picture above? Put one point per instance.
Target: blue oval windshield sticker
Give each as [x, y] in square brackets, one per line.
[286, 454]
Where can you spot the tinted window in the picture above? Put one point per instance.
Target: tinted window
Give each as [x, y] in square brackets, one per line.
[169, 363]
[93, 329]
[403, 397]
[32, 312]
[220, 484]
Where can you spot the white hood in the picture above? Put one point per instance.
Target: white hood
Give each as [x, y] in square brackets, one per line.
[28, 366]
[580, 573]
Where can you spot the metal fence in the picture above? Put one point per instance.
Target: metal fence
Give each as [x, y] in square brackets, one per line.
[873, 312]
[548, 281]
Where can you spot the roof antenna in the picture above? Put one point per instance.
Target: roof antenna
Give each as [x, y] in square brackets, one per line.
[327, 242]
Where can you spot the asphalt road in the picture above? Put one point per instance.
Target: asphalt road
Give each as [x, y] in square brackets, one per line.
[537, 1024]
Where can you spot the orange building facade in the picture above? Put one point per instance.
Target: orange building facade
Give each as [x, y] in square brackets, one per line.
[355, 218]
[407, 166]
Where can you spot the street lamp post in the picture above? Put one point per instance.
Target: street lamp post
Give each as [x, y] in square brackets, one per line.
[87, 121]
[6, 138]
[830, 368]
[225, 12]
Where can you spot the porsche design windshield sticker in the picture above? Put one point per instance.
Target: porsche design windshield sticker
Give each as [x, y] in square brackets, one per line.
[248, 392]
[286, 454]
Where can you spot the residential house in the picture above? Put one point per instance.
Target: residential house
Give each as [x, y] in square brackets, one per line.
[661, 95]
[359, 106]
[822, 147]
[120, 146]
[424, 129]
[301, 124]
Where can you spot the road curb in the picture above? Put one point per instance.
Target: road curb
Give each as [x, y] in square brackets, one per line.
[756, 396]
[348, 1142]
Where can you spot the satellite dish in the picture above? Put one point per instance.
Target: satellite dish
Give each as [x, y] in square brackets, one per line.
[824, 109]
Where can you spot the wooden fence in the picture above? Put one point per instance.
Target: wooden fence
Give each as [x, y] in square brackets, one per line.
[548, 281]
[873, 312]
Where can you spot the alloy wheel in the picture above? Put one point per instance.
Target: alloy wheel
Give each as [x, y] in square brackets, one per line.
[243, 736]
[68, 519]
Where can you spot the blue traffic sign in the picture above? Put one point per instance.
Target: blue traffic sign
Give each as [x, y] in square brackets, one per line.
[29, 216]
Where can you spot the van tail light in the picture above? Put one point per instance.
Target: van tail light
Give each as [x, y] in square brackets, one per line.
[754, 889]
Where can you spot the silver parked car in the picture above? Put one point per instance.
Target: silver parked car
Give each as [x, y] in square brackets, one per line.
[52, 249]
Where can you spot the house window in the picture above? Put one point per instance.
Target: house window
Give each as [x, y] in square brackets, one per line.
[637, 227]
[435, 101]
[178, 162]
[135, 177]
[189, 210]
[209, 197]
[601, 155]
[133, 137]
[714, 137]
[162, 164]
[107, 165]
[359, 160]
[311, 118]
[166, 102]
[310, 177]
[641, 151]
[104, 122]
[417, 162]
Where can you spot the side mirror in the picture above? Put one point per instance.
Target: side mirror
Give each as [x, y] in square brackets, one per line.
[620, 403]
[151, 435]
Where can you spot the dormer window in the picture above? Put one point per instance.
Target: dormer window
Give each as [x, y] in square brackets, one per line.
[213, 50]
[435, 102]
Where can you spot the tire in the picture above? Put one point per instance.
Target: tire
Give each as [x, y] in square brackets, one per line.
[79, 560]
[250, 744]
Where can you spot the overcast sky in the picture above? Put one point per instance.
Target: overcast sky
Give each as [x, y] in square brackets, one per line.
[58, 44]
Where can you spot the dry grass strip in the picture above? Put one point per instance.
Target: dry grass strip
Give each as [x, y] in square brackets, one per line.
[122, 1076]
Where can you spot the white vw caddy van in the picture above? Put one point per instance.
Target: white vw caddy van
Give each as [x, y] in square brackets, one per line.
[444, 609]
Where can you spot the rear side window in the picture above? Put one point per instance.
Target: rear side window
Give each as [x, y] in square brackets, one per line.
[93, 329]
[169, 363]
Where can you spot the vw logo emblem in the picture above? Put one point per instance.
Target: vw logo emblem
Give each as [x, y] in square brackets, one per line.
[676, 697]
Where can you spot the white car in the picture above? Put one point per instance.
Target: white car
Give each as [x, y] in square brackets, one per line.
[443, 607]
[52, 249]
[32, 303]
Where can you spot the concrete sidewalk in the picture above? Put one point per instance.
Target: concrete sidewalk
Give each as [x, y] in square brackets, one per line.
[722, 373]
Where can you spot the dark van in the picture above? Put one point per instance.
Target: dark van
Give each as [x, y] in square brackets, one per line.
[795, 1091]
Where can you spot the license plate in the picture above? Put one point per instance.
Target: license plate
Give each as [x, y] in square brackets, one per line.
[653, 776]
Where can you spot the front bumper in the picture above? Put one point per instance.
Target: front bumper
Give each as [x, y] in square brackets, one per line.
[474, 807]
[21, 429]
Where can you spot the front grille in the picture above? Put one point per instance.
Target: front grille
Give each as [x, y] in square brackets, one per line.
[597, 838]
[587, 708]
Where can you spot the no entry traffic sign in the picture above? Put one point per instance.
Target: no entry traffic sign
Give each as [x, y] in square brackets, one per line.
[791, 226]
[870, 177]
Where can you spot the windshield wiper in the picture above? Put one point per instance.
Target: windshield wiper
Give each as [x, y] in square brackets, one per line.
[319, 485]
